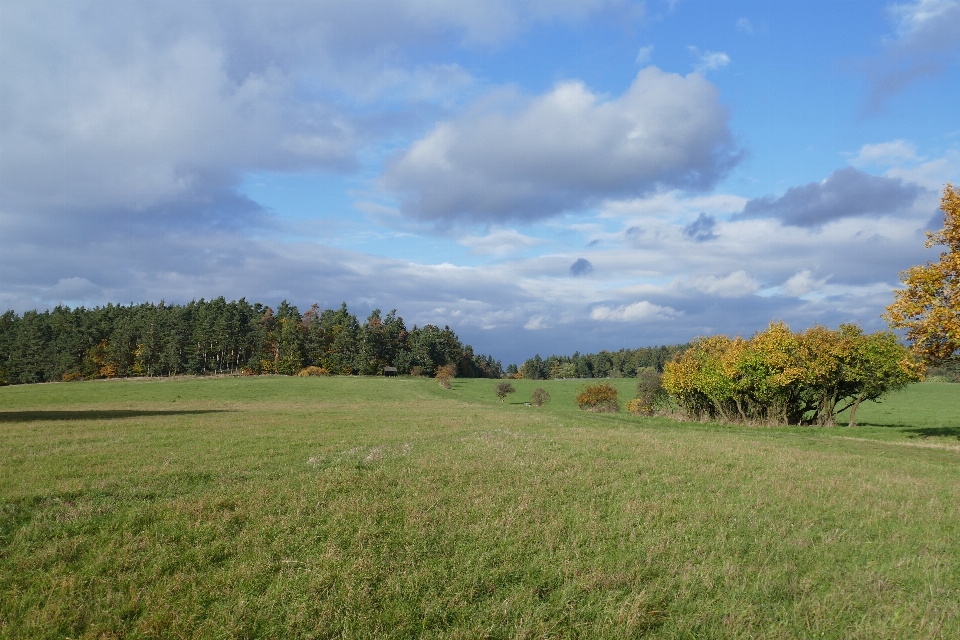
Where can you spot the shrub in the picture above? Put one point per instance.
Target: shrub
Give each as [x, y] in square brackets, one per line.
[313, 371]
[945, 372]
[416, 371]
[651, 395]
[503, 389]
[599, 398]
[540, 397]
[638, 407]
[782, 377]
[444, 374]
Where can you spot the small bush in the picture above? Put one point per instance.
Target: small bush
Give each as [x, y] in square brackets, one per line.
[651, 395]
[540, 397]
[503, 389]
[599, 398]
[70, 376]
[637, 407]
[444, 374]
[416, 372]
[946, 372]
[313, 371]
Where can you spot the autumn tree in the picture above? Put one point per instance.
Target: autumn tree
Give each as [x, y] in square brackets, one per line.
[540, 396]
[650, 392]
[929, 307]
[444, 374]
[503, 389]
[877, 364]
[782, 377]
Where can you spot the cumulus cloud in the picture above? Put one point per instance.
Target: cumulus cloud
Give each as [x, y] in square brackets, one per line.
[846, 193]
[581, 267]
[801, 283]
[565, 150]
[137, 107]
[127, 127]
[638, 311]
[701, 229]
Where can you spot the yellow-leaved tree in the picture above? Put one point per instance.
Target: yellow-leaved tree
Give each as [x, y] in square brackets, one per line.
[929, 307]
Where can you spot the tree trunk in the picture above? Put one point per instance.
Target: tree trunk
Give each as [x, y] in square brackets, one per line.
[853, 412]
[743, 416]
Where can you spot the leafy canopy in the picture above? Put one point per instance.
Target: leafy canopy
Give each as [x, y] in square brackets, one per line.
[782, 377]
[929, 307]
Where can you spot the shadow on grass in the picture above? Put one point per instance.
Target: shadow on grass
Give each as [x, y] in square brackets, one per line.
[94, 414]
[933, 432]
[917, 432]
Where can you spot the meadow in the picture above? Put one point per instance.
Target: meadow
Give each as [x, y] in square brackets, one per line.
[353, 507]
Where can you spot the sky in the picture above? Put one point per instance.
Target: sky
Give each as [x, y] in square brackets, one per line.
[543, 177]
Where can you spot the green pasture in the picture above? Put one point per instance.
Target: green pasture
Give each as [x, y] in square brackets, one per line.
[343, 507]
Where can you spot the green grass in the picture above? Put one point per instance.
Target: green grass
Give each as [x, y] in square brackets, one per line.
[365, 507]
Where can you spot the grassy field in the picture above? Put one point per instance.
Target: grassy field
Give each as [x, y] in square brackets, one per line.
[365, 507]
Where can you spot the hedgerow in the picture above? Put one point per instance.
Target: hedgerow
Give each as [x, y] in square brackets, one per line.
[782, 377]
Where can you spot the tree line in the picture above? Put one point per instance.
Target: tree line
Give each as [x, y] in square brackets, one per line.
[625, 363]
[219, 337]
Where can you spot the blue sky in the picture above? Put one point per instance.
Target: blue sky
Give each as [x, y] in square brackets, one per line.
[541, 176]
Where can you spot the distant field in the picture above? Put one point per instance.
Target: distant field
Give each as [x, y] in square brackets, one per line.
[368, 507]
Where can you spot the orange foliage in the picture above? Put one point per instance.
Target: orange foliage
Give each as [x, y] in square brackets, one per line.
[929, 307]
[601, 398]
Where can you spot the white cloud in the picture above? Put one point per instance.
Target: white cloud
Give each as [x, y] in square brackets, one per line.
[709, 60]
[801, 283]
[885, 153]
[536, 322]
[130, 106]
[566, 149]
[499, 243]
[735, 285]
[674, 204]
[645, 54]
[926, 42]
[918, 17]
[129, 121]
[744, 25]
[931, 174]
[638, 311]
